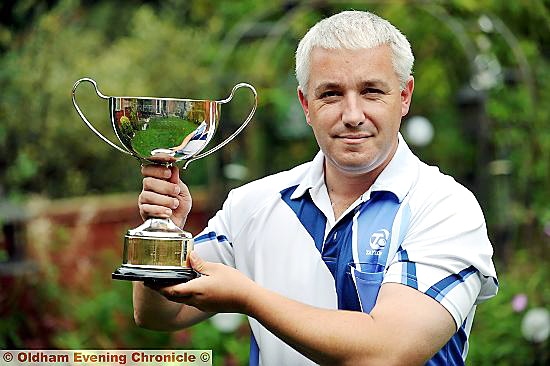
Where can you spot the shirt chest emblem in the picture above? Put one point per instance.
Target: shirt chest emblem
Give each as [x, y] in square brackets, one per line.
[378, 241]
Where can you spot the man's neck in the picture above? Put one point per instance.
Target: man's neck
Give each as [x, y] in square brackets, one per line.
[345, 188]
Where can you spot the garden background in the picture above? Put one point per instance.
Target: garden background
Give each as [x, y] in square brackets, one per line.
[480, 112]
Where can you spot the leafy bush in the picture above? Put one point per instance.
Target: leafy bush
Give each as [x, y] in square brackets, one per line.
[496, 334]
[53, 310]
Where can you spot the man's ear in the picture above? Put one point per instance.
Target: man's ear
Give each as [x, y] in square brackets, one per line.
[406, 96]
[304, 103]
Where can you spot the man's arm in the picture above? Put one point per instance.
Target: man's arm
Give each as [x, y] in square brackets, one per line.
[154, 311]
[406, 327]
[163, 195]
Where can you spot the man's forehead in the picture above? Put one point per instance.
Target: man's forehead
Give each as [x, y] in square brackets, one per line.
[327, 84]
[317, 50]
[370, 66]
[348, 60]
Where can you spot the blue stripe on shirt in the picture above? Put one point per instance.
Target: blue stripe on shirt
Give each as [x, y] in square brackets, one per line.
[310, 216]
[254, 355]
[451, 353]
[441, 288]
[211, 236]
[408, 276]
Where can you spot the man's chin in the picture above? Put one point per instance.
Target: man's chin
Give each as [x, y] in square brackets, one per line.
[354, 163]
[352, 166]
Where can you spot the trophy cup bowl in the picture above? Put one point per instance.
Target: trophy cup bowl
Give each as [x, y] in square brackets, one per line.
[161, 131]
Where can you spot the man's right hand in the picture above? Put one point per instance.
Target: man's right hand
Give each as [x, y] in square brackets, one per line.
[164, 194]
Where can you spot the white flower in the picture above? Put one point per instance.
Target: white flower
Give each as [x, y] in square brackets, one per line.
[535, 325]
[227, 322]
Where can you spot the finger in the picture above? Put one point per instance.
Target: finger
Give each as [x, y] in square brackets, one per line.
[174, 174]
[147, 210]
[156, 171]
[198, 264]
[162, 157]
[153, 198]
[165, 290]
[184, 193]
[184, 196]
[177, 292]
[161, 186]
[188, 299]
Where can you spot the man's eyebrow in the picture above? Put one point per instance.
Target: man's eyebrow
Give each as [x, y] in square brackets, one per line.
[378, 83]
[326, 85]
[375, 82]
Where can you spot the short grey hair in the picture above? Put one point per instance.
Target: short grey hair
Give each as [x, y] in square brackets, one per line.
[354, 30]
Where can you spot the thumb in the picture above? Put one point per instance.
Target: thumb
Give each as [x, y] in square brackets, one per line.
[175, 176]
[198, 264]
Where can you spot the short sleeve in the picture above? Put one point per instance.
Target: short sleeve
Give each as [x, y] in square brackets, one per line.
[446, 254]
[214, 243]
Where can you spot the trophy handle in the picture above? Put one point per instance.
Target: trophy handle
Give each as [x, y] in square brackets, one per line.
[92, 81]
[234, 134]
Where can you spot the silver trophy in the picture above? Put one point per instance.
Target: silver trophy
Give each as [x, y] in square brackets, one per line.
[161, 131]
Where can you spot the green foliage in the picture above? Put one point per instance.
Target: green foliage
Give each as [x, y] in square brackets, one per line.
[200, 49]
[127, 130]
[43, 139]
[496, 334]
[95, 312]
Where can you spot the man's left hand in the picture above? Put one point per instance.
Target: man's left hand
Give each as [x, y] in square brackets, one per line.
[220, 288]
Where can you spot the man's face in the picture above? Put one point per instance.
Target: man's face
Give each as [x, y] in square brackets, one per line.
[354, 105]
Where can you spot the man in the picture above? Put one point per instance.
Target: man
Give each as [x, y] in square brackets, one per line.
[364, 256]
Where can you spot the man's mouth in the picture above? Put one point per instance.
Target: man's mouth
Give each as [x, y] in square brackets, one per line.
[353, 138]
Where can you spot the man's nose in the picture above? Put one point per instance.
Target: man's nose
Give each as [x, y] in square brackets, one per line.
[352, 113]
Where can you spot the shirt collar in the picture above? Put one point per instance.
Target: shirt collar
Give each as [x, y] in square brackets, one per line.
[314, 175]
[398, 176]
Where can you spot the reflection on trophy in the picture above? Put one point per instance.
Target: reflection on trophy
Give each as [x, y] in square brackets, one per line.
[163, 131]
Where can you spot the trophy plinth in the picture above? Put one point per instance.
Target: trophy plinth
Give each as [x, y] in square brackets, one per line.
[156, 252]
[161, 131]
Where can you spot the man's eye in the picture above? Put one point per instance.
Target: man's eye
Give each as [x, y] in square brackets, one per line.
[328, 94]
[372, 91]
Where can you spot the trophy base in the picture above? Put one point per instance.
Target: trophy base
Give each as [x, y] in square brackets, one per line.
[157, 277]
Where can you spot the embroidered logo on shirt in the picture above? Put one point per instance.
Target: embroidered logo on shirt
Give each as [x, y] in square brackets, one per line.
[379, 239]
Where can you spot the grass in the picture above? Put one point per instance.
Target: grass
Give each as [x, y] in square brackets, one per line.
[161, 132]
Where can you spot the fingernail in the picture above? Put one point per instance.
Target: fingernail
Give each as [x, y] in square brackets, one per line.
[175, 204]
[177, 190]
[167, 173]
[168, 212]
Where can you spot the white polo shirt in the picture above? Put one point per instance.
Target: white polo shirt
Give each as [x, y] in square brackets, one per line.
[281, 232]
